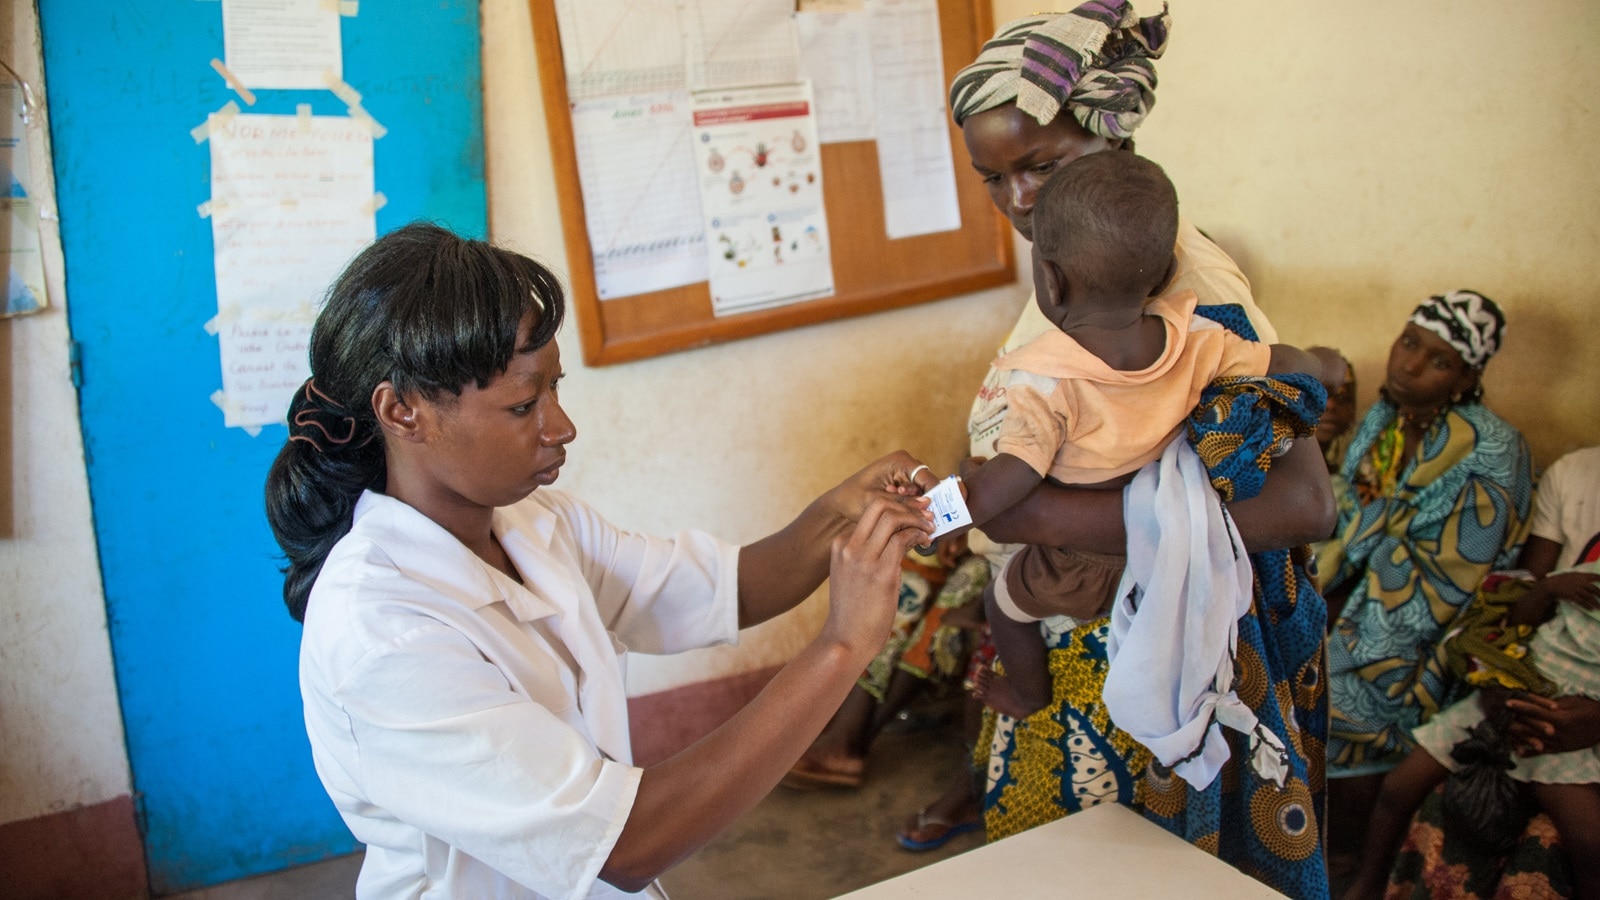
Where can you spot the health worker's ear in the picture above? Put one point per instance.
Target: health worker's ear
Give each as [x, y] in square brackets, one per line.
[398, 418]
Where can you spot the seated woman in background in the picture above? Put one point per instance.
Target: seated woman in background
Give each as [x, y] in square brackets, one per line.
[1333, 435]
[1442, 488]
[1561, 660]
[1557, 739]
[466, 624]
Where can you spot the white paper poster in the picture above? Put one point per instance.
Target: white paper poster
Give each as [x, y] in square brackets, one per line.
[914, 161]
[292, 202]
[760, 176]
[739, 43]
[281, 43]
[620, 46]
[19, 217]
[641, 199]
[836, 57]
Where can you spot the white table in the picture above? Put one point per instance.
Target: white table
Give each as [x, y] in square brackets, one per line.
[1107, 851]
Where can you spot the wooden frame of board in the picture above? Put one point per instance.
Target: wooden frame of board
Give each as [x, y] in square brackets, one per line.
[871, 272]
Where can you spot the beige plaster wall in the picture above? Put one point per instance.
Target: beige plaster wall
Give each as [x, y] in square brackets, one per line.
[61, 743]
[1357, 157]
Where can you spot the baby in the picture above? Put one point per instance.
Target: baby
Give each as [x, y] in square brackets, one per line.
[1100, 397]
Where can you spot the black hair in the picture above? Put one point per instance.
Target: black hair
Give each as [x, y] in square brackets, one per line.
[424, 309]
[1111, 219]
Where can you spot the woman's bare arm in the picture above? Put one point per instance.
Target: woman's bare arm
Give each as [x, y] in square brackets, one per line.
[684, 801]
[1295, 507]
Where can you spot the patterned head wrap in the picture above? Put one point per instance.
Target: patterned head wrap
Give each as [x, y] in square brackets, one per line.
[1467, 320]
[1093, 61]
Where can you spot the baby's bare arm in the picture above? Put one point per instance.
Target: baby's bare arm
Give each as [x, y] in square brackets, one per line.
[998, 485]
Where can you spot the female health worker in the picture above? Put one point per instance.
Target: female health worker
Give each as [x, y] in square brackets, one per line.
[465, 624]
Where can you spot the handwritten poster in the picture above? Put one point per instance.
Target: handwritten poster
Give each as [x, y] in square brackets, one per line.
[281, 43]
[760, 176]
[292, 201]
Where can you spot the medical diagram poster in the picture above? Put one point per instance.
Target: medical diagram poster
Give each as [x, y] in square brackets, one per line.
[760, 173]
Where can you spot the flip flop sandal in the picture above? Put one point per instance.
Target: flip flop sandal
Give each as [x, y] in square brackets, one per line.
[807, 775]
[925, 822]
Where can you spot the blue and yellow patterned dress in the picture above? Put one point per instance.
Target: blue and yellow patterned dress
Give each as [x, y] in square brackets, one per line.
[1414, 553]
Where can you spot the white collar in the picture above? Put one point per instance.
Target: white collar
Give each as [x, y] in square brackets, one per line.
[425, 551]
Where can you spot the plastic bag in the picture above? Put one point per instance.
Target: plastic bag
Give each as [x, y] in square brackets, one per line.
[1482, 805]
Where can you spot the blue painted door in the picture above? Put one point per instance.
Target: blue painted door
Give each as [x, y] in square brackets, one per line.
[205, 653]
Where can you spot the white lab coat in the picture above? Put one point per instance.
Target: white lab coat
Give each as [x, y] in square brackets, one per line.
[472, 731]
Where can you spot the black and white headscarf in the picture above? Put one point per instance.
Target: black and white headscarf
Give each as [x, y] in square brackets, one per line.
[1467, 320]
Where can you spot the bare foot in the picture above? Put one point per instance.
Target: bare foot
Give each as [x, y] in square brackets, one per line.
[999, 693]
[817, 770]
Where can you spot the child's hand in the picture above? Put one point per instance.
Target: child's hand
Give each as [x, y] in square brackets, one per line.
[1581, 589]
[951, 549]
[970, 465]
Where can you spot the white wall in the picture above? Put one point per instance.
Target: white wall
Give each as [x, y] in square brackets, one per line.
[61, 740]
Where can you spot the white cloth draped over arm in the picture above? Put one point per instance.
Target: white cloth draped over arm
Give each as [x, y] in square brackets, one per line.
[1175, 625]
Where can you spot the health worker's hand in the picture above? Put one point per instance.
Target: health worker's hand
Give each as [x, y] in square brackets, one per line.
[864, 573]
[897, 476]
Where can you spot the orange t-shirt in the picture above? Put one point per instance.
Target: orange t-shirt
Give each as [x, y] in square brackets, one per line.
[1079, 421]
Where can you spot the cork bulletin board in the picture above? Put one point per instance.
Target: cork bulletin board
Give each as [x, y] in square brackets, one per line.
[871, 271]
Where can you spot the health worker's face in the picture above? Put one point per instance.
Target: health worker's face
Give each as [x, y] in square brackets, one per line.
[1015, 155]
[499, 443]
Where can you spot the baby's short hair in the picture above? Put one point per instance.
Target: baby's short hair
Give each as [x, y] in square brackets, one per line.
[1110, 218]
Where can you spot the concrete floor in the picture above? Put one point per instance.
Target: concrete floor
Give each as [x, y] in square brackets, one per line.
[795, 845]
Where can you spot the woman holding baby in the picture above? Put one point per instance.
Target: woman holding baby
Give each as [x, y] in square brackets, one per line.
[1043, 92]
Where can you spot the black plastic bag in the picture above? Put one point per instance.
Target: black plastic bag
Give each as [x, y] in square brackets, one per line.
[1482, 805]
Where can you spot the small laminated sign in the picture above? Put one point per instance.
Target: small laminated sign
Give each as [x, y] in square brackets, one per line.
[949, 508]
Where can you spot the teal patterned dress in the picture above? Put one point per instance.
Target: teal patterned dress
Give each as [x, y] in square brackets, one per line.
[1413, 557]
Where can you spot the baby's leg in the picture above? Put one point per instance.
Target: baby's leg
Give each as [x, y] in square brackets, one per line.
[1402, 793]
[1575, 808]
[1025, 688]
